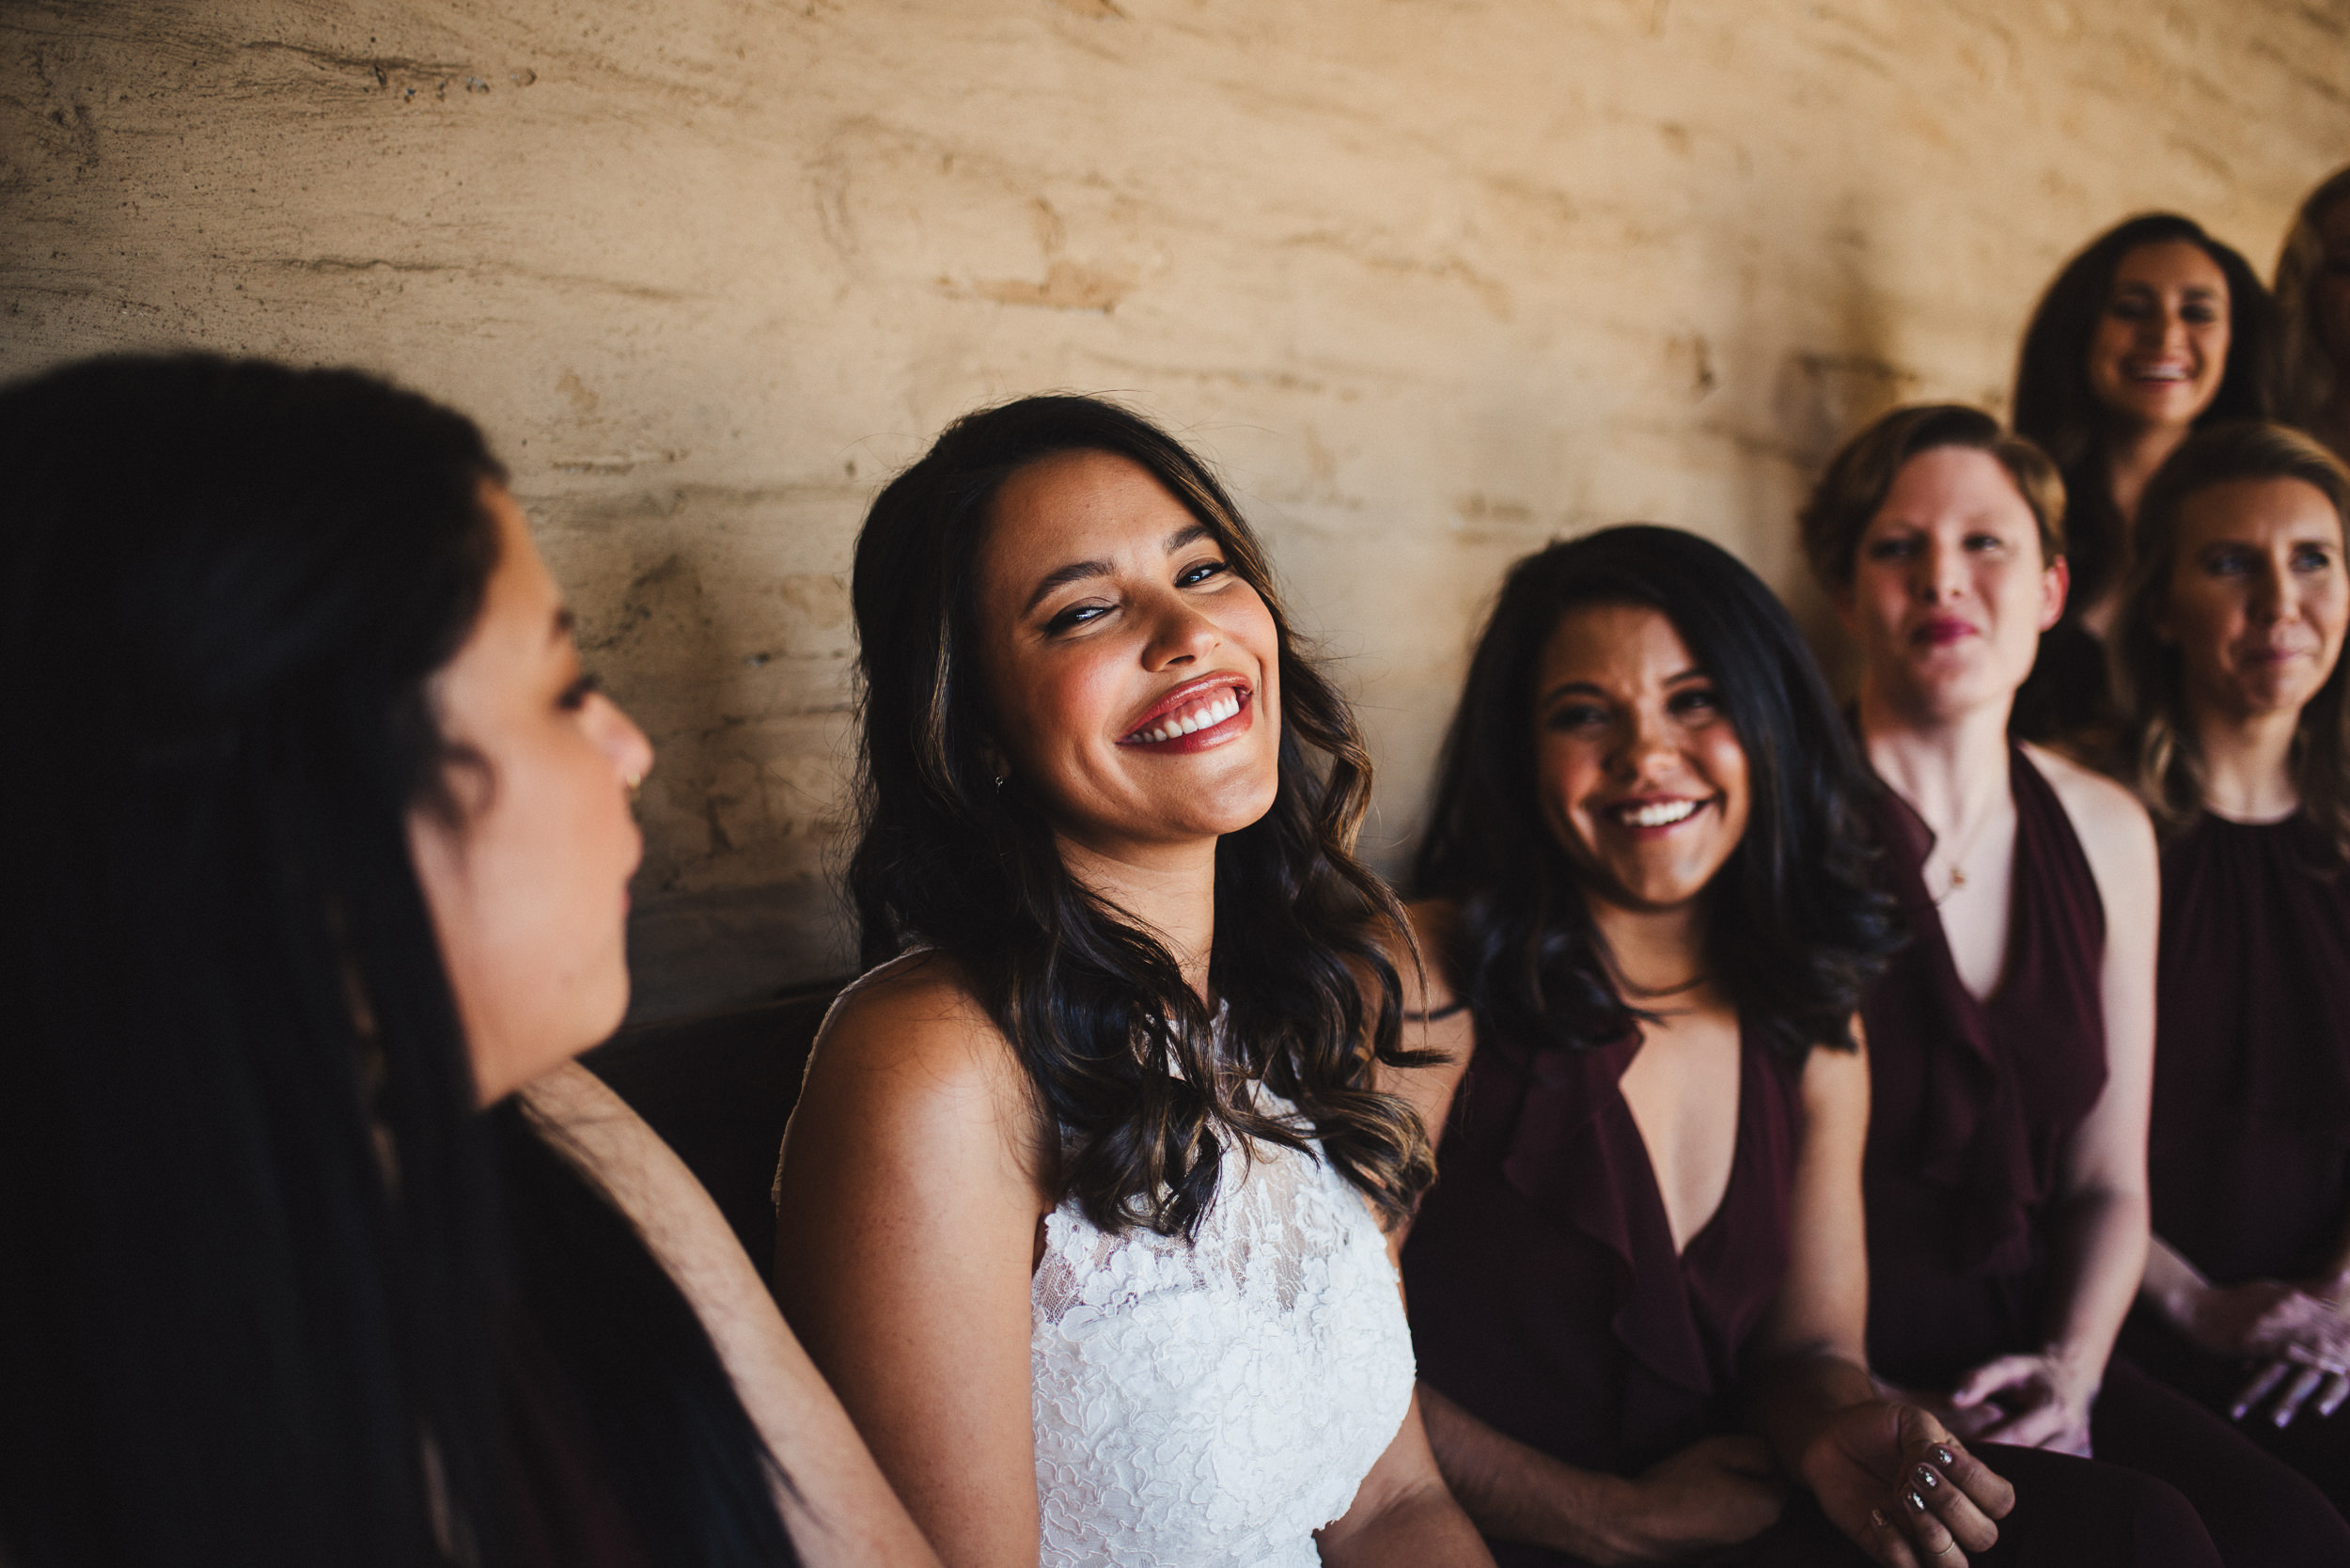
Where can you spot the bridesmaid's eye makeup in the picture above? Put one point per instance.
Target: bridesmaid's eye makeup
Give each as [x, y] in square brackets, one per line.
[1576, 715]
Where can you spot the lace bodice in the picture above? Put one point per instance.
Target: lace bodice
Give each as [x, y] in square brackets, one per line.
[1214, 1402]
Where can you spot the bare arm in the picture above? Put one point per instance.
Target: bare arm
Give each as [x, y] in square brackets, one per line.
[1810, 1351]
[2100, 1219]
[1427, 993]
[1717, 1493]
[1888, 1474]
[840, 1510]
[905, 1240]
[1403, 1515]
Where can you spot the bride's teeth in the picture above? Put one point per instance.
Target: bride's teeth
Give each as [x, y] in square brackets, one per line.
[1206, 716]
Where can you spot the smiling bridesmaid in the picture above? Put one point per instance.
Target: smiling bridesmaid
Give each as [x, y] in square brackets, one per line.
[1638, 1289]
[1081, 1209]
[2013, 1040]
[2155, 328]
[2229, 649]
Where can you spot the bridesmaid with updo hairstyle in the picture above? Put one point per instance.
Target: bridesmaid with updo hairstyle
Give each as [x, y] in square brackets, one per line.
[2012, 1041]
[2313, 303]
[2154, 329]
[2229, 660]
[1638, 1288]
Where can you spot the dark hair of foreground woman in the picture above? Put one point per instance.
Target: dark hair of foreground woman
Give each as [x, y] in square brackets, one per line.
[1097, 1009]
[2147, 675]
[1799, 931]
[277, 1292]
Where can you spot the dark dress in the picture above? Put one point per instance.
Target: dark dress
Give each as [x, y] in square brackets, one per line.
[2249, 1157]
[1547, 1301]
[1973, 1104]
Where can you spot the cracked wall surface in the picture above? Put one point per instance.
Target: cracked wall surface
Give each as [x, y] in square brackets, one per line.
[1431, 280]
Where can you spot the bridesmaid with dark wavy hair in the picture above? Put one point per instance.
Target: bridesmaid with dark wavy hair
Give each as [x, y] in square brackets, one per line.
[1638, 1288]
[2228, 658]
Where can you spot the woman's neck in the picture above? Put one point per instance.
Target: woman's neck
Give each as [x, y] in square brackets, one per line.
[1950, 768]
[1169, 893]
[2248, 764]
[1654, 953]
[2132, 455]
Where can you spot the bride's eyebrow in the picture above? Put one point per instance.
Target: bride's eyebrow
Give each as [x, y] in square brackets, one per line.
[1061, 577]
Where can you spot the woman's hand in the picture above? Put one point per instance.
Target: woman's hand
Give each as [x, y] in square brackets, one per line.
[2267, 1320]
[1895, 1480]
[2032, 1402]
[1716, 1493]
[2304, 1341]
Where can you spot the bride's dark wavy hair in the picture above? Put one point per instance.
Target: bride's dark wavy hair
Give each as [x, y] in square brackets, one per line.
[1795, 928]
[1116, 1045]
[277, 1294]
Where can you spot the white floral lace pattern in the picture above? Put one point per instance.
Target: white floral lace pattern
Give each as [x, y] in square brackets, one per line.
[1214, 1403]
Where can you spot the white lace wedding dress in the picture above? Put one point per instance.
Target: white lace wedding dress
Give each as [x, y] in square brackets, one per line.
[1213, 1403]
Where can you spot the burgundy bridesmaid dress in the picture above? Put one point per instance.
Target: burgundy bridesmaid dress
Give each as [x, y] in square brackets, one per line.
[1973, 1103]
[1546, 1299]
[2251, 1152]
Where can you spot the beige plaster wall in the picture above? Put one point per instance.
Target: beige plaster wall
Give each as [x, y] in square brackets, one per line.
[1433, 280]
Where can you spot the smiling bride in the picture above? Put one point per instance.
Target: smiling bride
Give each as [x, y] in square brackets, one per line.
[1081, 1209]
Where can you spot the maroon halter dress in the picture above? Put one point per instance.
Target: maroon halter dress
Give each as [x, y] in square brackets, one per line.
[1973, 1105]
[1546, 1300]
[1973, 1102]
[1545, 1296]
[2249, 1157]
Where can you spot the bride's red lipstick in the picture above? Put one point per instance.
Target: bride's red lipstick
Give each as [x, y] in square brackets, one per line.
[1219, 707]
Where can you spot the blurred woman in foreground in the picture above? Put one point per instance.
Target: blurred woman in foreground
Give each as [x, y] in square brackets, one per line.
[2011, 1042]
[2229, 650]
[316, 850]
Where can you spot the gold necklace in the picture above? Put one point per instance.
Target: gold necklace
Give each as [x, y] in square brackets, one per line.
[1959, 854]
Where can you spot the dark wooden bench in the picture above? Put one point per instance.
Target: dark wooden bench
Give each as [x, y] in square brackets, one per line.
[719, 1089]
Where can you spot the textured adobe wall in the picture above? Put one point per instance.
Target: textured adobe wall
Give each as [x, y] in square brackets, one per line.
[1433, 282]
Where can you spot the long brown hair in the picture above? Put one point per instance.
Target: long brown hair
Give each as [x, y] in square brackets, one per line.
[2147, 677]
[1117, 1046]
